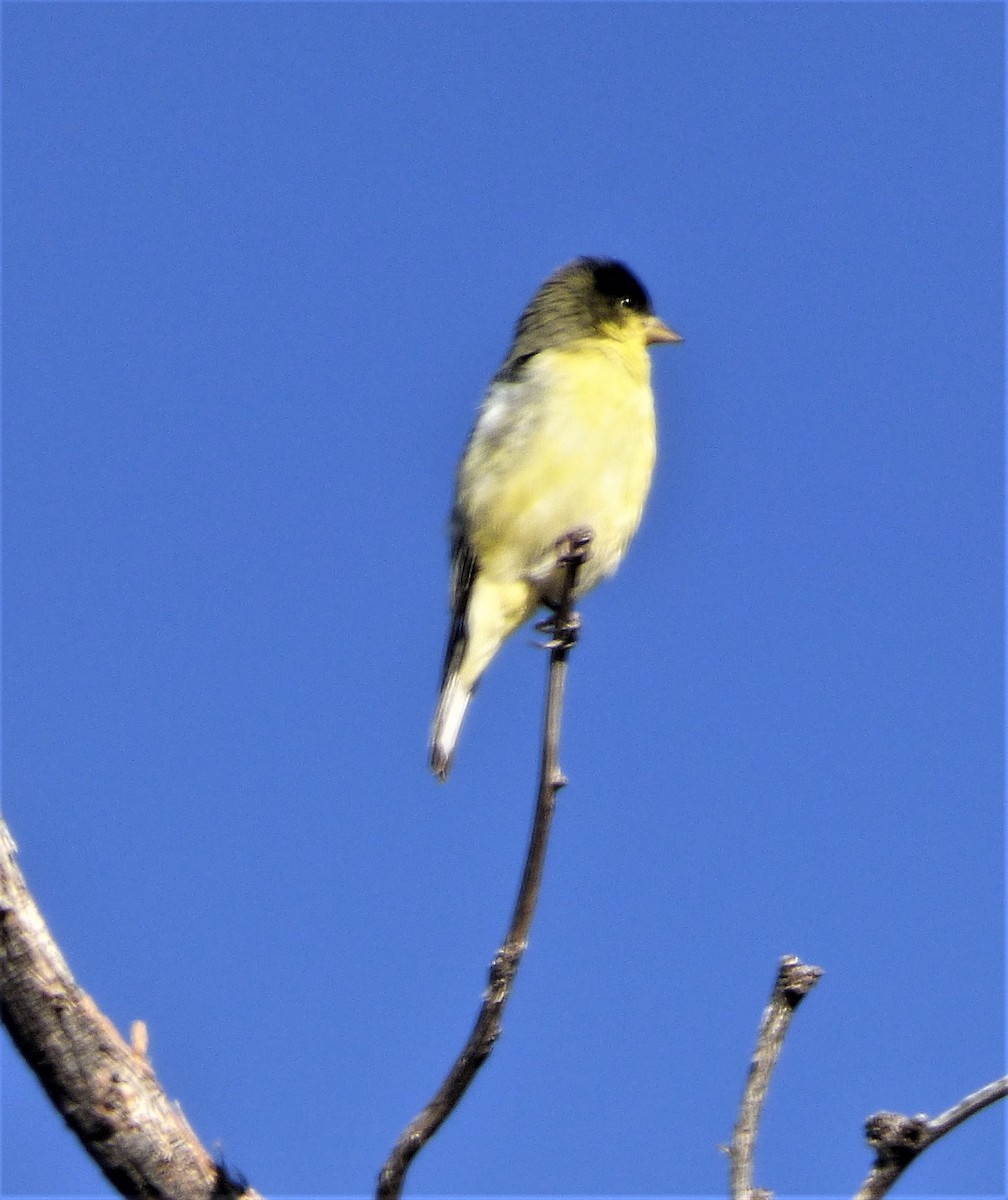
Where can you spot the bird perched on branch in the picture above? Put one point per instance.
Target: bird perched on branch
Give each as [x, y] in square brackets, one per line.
[564, 441]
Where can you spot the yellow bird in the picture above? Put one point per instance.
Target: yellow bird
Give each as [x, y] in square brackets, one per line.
[565, 439]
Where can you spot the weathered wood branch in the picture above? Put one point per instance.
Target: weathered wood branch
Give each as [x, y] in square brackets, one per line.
[563, 627]
[898, 1139]
[793, 983]
[105, 1090]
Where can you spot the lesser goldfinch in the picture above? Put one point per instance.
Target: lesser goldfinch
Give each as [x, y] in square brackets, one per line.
[565, 439]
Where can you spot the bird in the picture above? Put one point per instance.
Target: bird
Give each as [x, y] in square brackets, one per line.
[564, 441]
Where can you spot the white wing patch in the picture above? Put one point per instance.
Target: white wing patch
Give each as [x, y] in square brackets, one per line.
[503, 403]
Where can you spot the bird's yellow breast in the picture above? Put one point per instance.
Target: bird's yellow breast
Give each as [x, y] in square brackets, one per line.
[571, 444]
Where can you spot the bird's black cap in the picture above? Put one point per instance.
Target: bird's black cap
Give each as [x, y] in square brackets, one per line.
[575, 302]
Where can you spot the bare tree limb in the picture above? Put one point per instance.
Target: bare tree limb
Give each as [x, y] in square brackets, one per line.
[105, 1090]
[898, 1139]
[564, 628]
[794, 981]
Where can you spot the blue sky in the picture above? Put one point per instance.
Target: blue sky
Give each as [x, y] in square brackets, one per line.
[259, 262]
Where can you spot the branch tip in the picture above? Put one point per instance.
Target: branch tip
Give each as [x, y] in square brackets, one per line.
[795, 980]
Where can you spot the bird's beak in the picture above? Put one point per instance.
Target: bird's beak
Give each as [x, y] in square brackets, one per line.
[655, 330]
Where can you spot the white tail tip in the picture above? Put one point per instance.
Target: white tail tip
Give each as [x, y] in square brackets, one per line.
[447, 723]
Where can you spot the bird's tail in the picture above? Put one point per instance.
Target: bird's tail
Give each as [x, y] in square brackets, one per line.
[455, 694]
[483, 615]
[452, 705]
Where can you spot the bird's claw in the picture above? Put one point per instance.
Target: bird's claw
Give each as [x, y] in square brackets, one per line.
[564, 631]
[573, 551]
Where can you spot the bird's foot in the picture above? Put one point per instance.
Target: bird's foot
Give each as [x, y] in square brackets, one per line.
[563, 629]
[573, 551]
[574, 548]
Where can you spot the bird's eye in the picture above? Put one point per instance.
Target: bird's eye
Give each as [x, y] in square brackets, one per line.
[626, 302]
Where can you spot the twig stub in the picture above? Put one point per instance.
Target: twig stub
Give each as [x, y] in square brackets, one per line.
[104, 1088]
[896, 1137]
[795, 980]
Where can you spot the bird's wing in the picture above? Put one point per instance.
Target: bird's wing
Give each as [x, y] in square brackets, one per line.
[464, 567]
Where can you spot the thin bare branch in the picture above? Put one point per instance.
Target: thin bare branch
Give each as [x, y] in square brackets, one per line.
[793, 983]
[105, 1090]
[897, 1139]
[564, 628]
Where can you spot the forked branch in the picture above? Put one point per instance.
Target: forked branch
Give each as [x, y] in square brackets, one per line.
[563, 627]
[898, 1139]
